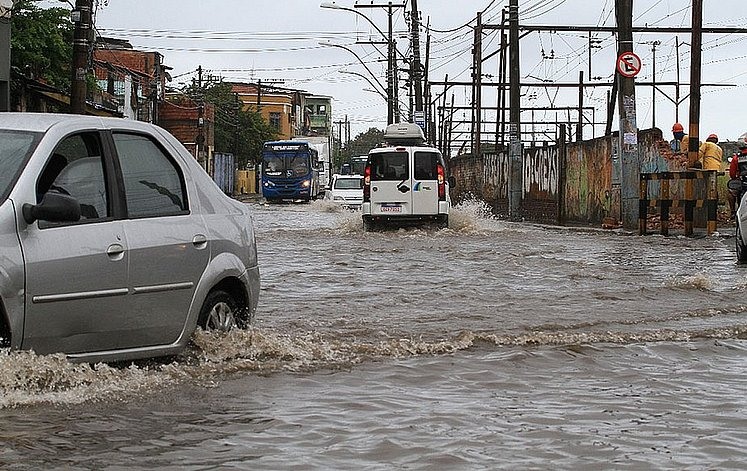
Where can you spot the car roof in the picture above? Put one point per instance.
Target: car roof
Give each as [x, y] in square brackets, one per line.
[42, 122]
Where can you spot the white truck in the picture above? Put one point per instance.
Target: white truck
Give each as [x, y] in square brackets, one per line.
[323, 146]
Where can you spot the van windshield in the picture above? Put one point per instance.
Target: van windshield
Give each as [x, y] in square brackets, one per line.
[389, 166]
[15, 147]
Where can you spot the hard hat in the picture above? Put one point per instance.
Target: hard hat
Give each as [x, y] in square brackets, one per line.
[712, 136]
[677, 127]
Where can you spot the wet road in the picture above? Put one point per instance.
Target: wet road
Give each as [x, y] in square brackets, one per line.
[489, 345]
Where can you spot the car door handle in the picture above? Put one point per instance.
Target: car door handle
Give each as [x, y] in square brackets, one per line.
[199, 241]
[115, 251]
[403, 188]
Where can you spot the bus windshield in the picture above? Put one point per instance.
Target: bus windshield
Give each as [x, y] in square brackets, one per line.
[287, 161]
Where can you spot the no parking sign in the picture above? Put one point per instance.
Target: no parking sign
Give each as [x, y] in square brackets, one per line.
[628, 64]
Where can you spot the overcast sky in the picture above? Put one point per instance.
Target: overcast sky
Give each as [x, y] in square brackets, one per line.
[246, 40]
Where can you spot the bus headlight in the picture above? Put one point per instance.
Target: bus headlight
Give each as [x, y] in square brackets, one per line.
[306, 183]
[269, 184]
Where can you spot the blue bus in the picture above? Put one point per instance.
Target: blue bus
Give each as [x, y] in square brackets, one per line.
[290, 171]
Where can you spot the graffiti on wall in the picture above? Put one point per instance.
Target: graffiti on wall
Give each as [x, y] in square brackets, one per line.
[495, 173]
[541, 172]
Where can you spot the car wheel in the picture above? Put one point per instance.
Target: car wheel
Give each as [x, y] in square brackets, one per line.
[220, 312]
[741, 248]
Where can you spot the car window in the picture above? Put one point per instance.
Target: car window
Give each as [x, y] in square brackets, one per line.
[426, 165]
[76, 168]
[15, 147]
[153, 183]
[389, 166]
[349, 184]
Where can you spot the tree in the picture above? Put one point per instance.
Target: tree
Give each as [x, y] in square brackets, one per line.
[42, 43]
[362, 143]
[239, 131]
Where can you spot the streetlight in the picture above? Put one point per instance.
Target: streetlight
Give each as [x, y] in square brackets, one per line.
[392, 108]
[381, 94]
[356, 56]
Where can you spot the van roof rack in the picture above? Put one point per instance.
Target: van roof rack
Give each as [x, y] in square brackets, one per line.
[409, 134]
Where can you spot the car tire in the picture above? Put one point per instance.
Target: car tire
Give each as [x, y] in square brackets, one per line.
[741, 248]
[221, 312]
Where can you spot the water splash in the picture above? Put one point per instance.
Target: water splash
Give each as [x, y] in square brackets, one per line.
[27, 378]
[326, 206]
[471, 215]
[699, 281]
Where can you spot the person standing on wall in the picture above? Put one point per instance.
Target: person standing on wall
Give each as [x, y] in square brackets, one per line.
[679, 132]
[711, 154]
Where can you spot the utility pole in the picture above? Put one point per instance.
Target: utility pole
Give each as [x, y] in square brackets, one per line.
[695, 77]
[628, 139]
[6, 9]
[392, 98]
[653, 89]
[515, 150]
[415, 67]
[81, 41]
[477, 88]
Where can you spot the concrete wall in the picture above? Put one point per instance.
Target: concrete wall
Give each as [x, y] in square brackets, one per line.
[578, 183]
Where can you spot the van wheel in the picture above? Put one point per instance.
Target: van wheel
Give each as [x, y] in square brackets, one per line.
[368, 225]
[741, 248]
[444, 223]
[220, 312]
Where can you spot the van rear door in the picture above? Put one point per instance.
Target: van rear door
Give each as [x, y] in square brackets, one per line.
[391, 183]
[425, 182]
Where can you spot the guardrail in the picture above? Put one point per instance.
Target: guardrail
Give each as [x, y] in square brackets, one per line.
[689, 202]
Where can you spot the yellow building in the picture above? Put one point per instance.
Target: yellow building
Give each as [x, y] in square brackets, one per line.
[280, 107]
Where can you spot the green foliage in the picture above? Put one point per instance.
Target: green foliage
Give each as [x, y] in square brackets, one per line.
[41, 42]
[362, 143]
[238, 131]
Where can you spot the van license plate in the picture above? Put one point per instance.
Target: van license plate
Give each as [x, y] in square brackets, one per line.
[390, 208]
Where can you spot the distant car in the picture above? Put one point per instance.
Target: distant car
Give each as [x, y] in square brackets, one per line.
[405, 181]
[114, 243]
[346, 190]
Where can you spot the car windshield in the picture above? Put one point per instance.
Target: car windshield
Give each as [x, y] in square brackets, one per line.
[349, 184]
[15, 147]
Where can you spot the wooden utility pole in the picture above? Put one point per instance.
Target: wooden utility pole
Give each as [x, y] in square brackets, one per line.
[477, 88]
[81, 42]
[415, 66]
[516, 173]
[628, 139]
[5, 12]
[695, 77]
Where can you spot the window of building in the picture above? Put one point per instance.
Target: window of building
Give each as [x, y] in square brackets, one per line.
[275, 120]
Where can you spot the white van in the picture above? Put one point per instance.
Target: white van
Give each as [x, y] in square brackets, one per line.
[405, 182]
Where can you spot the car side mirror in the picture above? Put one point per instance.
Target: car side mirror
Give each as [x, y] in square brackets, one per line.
[54, 207]
[452, 181]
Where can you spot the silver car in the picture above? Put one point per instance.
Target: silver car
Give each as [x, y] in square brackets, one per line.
[114, 243]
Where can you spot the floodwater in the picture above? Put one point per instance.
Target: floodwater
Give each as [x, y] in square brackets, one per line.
[488, 345]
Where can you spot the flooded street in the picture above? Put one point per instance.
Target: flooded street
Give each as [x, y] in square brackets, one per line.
[488, 345]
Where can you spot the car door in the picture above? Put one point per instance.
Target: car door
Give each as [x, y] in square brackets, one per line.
[76, 273]
[425, 182]
[168, 245]
[391, 183]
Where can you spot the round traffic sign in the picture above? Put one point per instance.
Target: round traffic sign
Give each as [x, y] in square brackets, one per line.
[628, 64]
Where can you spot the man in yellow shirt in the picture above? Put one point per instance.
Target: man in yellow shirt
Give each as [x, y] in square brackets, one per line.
[711, 154]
